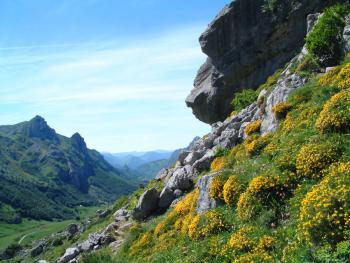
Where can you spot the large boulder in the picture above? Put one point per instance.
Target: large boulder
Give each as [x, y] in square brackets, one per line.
[204, 201]
[70, 254]
[166, 197]
[181, 179]
[204, 163]
[245, 45]
[148, 203]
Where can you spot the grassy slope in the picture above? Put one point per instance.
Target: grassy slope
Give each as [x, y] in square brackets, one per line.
[35, 230]
[275, 216]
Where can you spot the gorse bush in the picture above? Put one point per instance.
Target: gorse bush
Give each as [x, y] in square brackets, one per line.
[280, 110]
[335, 116]
[325, 211]
[325, 42]
[263, 192]
[217, 186]
[218, 164]
[313, 159]
[253, 127]
[232, 189]
[255, 144]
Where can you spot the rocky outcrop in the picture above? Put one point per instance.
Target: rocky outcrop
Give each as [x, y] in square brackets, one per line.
[244, 46]
[227, 134]
[38, 128]
[205, 202]
[148, 203]
[113, 236]
[179, 180]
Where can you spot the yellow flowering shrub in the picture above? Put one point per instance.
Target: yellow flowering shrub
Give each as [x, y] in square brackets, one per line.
[178, 224]
[338, 76]
[255, 144]
[213, 223]
[288, 123]
[266, 243]
[329, 77]
[314, 158]
[253, 127]
[261, 192]
[160, 228]
[165, 241]
[241, 241]
[140, 243]
[254, 249]
[335, 115]
[216, 187]
[218, 164]
[280, 110]
[188, 204]
[193, 232]
[300, 121]
[325, 210]
[232, 190]
[255, 257]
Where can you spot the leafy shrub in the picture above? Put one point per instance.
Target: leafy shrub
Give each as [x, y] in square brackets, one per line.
[232, 190]
[335, 116]
[262, 192]
[280, 110]
[243, 99]
[313, 159]
[221, 152]
[270, 6]
[309, 64]
[218, 164]
[253, 127]
[325, 42]
[324, 214]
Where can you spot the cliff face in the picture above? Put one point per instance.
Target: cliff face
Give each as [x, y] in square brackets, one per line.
[244, 46]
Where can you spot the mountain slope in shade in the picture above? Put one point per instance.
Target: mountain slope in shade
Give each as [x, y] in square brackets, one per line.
[44, 175]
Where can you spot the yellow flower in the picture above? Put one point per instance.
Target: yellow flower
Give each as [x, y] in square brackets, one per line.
[335, 116]
[218, 164]
[280, 110]
[232, 190]
[253, 127]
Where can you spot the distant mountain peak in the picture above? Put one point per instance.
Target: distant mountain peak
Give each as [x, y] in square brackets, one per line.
[78, 142]
[38, 127]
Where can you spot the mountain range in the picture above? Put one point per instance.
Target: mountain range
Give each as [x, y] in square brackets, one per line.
[143, 166]
[45, 175]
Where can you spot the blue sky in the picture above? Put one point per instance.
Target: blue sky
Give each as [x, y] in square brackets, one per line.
[117, 72]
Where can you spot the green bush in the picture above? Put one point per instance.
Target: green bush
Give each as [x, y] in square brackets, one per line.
[243, 99]
[325, 42]
[270, 6]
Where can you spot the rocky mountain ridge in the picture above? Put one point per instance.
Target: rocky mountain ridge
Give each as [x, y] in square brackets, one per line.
[45, 175]
[245, 46]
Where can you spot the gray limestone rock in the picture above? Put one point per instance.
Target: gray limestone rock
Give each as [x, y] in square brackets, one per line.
[204, 202]
[147, 204]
